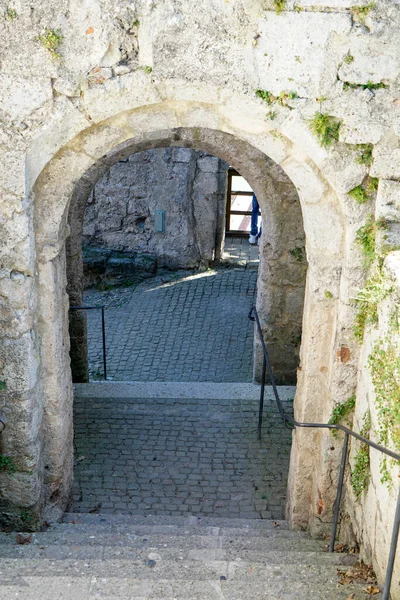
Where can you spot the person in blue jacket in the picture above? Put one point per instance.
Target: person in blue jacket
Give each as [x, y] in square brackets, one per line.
[255, 233]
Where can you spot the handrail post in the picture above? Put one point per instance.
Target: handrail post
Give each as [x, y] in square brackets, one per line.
[103, 331]
[339, 492]
[288, 420]
[103, 328]
[392, 552]
[261, 407]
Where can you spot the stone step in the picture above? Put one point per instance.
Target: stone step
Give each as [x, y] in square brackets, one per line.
[102, 552]
[105, 520]
[178, 389]
[283, 541]
[189, 580]
[64, 532]
[156, 567]
[128, 588]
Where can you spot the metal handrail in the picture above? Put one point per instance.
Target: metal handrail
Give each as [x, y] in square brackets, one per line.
[348, 432]
[103, 331]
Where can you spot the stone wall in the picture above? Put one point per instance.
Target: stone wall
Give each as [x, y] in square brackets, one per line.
[371, 492]
[132, 76]
[189, 186]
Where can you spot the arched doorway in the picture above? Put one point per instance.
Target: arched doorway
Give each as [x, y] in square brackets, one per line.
[282, 266]
[79, 165]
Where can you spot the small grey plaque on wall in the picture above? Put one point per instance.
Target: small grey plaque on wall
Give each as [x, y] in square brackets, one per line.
[159, 223]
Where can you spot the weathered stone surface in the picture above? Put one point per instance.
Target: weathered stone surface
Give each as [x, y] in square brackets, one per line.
[189, 186]
[200, 65]
[294, 59]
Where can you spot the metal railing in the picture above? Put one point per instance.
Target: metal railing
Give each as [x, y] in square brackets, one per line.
[103, 331]
[253, 315]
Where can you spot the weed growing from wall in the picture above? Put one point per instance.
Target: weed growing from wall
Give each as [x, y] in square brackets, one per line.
[340, 411]
[370, 85]
[348, 59]
[11, 13]
[7, 464]
[298, 253]
[384, 365]
[360, 474]
[325, 128]
[359, 194]
[282, 99]
[280, 6]
[365, 156]
[365, 192]
[376, 289]
[51, 39]
[365, 238]
[361, 12]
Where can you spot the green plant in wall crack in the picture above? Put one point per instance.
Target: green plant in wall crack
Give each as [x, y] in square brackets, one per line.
[283, 98]
[3, 386]
[325, 128]
[298, 253]
[7, 464]
[146, 69]
[348, 59]
[384, 366]
[340, 411]
[51, 39]
[361, 12]
[376, 289]
[366, 238]
[360, 474]
[365, 154]
[370, 85]
[11, 14]
[280, 6]
[364, 192]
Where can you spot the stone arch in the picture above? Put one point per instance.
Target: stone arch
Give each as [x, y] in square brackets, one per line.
[82, 159]
[281, 213]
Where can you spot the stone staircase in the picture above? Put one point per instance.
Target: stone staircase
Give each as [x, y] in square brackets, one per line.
[99, 557]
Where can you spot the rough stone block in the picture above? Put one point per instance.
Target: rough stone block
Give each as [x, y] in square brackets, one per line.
[291, 50]
[21, 95]
[386, 163]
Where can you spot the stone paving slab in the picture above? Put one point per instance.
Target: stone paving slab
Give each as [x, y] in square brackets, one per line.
[178, 389]
[176, 456]
[184, 326]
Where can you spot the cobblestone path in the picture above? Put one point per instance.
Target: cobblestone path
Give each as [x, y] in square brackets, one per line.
[180, 457]
[176, 327]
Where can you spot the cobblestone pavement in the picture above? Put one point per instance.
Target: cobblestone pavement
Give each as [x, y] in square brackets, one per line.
[179, 457]
[180, 326]
[239, 251]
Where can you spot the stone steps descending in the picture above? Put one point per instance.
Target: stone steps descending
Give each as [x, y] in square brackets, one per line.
[97, 557]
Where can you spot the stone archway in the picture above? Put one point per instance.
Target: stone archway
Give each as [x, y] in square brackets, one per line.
[83, 159]
[282, 270]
